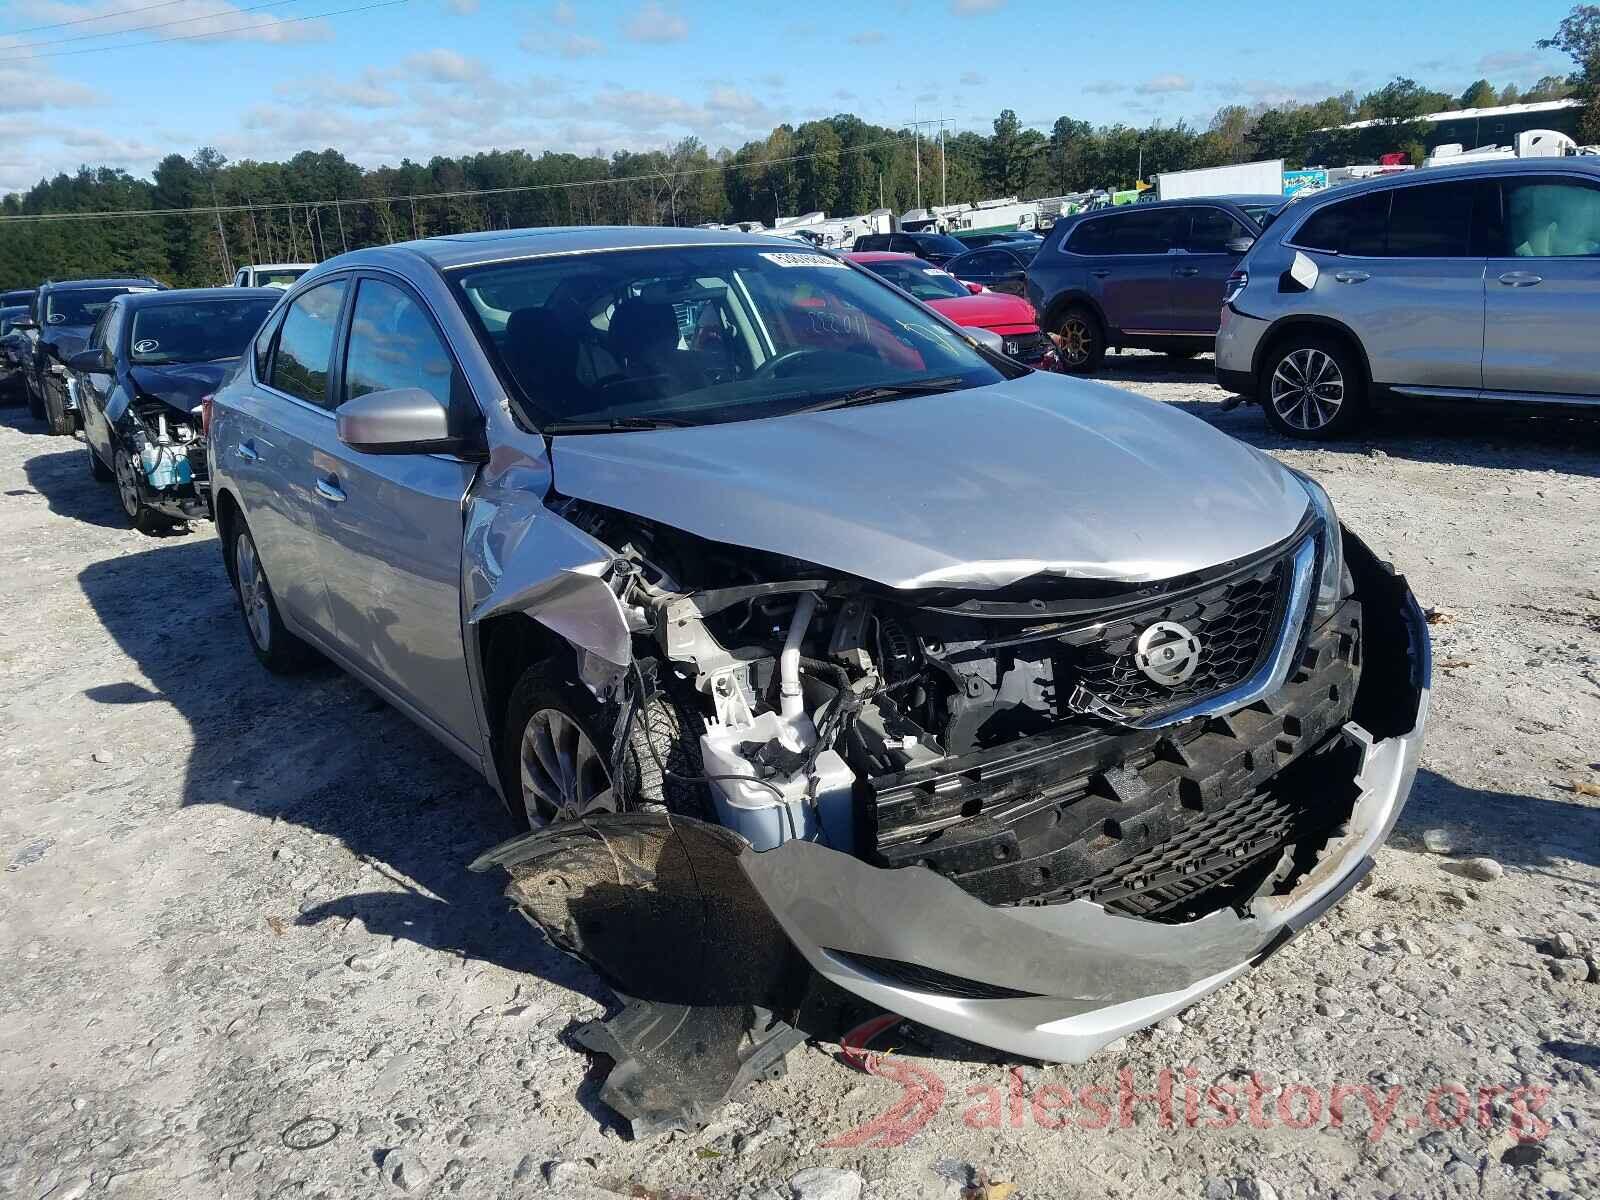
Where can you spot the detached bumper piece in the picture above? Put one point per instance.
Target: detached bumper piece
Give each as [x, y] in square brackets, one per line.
[1042, 898]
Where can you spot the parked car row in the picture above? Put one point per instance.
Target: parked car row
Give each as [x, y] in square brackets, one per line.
[1473, 286]
[756, 586]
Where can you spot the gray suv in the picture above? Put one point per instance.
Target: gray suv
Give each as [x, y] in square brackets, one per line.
[1148, 276]
[761, 593]
[1475, 283]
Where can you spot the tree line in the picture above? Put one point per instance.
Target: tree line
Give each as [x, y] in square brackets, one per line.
[289, 211]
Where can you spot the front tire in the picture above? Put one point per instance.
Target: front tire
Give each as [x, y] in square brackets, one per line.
[1081, 340]
[144, 518]
[1312, 388]
[275, 647]
[555, 752]
[61, 422]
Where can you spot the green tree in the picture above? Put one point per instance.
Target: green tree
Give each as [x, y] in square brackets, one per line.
[1479, 94]
[1578, 37]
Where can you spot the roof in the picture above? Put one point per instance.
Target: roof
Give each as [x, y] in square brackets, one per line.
[11, 310]
[490, 246]
[1466, 114]
[106, 281]
[872, 256]
[189, 295]
[1569, 164]
[279, 266]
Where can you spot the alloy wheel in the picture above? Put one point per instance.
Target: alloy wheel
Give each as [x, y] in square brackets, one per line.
[127, 485]
[252, 592]
[1077, 340]
[563, 775]
[1307, 389]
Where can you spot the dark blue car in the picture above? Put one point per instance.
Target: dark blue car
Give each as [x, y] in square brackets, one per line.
[147, 364]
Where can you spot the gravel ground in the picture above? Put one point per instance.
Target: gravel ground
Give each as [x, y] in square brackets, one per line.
[243, 956]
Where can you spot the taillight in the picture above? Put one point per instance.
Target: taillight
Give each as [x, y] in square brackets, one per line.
[1236, 284]
[205, 413]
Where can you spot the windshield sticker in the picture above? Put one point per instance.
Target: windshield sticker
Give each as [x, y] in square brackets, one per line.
[782, 259]
[146, 346]
[934, 271]
[137, 290]
[57, 318]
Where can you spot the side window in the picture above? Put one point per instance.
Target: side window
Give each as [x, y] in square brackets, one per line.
[305, 343]
[1432, 221]
[110, 328]
[1550, 219]
[1151, 232]
[1211, 229]
[263, 346]
[1092, 237]
[985, 262]
[393, 344]
[97, 335]
[1356, 226]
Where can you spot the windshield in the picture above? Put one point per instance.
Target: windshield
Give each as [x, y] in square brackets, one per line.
[83, 307]
[699, 335]
[281, 278]
[939, 243]
[197, 331]
[918, 278]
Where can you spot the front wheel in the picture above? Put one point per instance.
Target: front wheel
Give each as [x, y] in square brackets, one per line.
[62, 423]
[144, 518]
[1313, 388]
[555, 752]
[1080, 340]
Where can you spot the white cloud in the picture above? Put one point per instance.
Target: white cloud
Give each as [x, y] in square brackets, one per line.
[654, 22]
[867, 37]
[1511, 60]
[1165, 85]
[965, 8]
[462, 8]
[200, 20]
[1105, 87]
[446, 66]
[733, 101]
[973, 79]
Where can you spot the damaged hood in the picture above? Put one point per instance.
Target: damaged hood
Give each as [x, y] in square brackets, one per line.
[181, 386]
[977, 488]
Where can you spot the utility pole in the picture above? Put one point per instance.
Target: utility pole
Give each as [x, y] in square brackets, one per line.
[1139, 173]
[916, 150]
[338, 211]
[943, 196]
[227, 259]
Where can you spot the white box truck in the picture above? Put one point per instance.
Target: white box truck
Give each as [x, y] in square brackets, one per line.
[1241, 179]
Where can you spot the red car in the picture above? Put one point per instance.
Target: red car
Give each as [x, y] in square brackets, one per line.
[967, 304]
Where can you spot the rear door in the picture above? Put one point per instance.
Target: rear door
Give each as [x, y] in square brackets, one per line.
[391, 524]
[1542, 290]
[1403, 268]
[1199, 273]
[268, 443]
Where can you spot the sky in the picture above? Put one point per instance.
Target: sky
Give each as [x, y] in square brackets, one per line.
[98, 82]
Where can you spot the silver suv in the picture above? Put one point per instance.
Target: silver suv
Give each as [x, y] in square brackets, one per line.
[812, 640]
[1475, 283]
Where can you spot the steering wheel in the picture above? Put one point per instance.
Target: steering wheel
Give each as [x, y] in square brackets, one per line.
[772, 366]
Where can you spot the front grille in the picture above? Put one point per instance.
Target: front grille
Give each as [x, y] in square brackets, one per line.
[1234, 621]
[1026, 347]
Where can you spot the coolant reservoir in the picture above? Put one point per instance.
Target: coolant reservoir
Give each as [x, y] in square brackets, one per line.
[763, 817]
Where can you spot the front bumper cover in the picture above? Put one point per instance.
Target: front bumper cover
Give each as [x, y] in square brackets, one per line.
[674, 911]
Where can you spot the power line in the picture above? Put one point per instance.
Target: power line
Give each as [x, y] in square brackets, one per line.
[121, 12]
[89, 37]
[192, 37]
[336, 202]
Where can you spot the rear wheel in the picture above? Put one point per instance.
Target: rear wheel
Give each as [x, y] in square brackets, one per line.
[555, 753]
[278, 649]
[1081, 340]
[1312, 388]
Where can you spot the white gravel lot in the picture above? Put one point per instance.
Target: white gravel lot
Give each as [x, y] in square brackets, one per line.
[243, 956]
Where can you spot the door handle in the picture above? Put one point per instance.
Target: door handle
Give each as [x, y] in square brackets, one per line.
[329, 489]
[247, 452]
[1521, 279]
[1351, 276]
[1100, 272]
[1186, 272]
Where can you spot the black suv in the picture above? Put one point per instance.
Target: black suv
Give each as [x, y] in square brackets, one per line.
[936, 248]
[1143, 275]
[64, 311]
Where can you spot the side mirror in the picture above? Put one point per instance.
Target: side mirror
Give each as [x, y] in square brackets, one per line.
[1239, 245]
[90, 361]
[24, 323]
[988, 339]
[975, 288]
[400, 421]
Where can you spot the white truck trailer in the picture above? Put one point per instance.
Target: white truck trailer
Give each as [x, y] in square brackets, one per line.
[1263, 178]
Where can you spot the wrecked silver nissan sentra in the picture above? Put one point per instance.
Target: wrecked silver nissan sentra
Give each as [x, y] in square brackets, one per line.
[832, 658]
